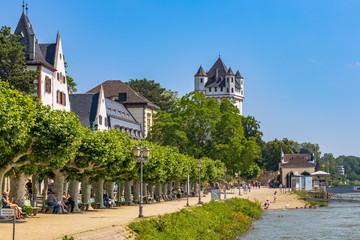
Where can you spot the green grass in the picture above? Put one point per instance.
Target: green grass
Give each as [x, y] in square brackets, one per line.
[214, 220]
[311, 202]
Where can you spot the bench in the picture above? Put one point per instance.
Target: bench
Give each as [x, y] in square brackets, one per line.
[35, 210]
[45, 207]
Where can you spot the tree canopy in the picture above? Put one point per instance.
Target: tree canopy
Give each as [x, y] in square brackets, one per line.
[12, 63]
[154, 92]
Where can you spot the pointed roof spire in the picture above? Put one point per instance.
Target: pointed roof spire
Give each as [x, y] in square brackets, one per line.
[23, 6]
[230, 73]
[238, 75]
[200, 72]
[26, 9]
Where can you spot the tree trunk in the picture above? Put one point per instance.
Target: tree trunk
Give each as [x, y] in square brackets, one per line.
[158, 191]
[128, 191]
[3, 171]
[151, 189]
[99, 193]
[34, 190]
[164, 188]
[136, 191]
[170, 187]
[144, 189]
[109, 186]
[121, 189]
[177, 184]
[58, 187]
[74, 193]
[65, 186]
[86, 191]
[17, 188]
[46, 188]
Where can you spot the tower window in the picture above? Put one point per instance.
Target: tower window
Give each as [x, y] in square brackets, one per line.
[232, 90]
[227, 79]
[232, 80]
[221, 89]
[201, 80]
[227, 89]
[242, 82]
[210, 89]
[216, 89]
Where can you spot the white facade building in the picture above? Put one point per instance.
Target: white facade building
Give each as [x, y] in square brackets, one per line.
[220, 82]
[48, 58]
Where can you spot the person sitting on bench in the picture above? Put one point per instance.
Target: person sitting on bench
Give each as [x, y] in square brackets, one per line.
[51, 201]
[7, 204]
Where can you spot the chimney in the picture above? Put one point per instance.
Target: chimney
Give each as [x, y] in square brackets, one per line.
[122, 97]
[32, 41]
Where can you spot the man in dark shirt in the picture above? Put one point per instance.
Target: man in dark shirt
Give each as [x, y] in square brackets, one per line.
[51, 201]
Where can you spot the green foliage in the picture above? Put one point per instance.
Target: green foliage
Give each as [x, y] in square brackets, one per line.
[70, 80]
[154, 92]
[214, 220]
[271, 152]
[27, 210]
[68, 238]
[311, 202]
[203, 127]
[17, 118]
[252, 172]
[12, 63]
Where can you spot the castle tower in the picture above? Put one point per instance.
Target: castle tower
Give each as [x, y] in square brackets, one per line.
[221, 82]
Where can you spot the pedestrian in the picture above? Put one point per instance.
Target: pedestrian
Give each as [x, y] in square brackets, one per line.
[249, 187]
[275, 196]
[259, 184]
[280, 186]
[267, 204]
[178, 194]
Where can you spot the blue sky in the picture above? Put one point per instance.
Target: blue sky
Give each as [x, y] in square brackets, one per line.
[300, 59]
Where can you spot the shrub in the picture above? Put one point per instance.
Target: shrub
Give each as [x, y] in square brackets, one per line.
[214, 220]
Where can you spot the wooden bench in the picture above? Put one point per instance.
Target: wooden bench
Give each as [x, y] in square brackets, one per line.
[35, 210]
[45, 207]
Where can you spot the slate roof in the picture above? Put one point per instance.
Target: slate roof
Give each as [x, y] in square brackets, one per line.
[230, 73]
[25, 30]
[112, 89]
[85, 107]
[117, 110]
[297, 160]
[238, 75]
[48, 50]
[200, 72]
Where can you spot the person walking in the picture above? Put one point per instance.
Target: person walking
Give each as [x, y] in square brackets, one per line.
[275, 196]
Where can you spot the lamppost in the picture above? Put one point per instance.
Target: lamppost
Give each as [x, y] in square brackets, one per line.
[225, 187]
[198, 164]
[239, 183]
[141, 155]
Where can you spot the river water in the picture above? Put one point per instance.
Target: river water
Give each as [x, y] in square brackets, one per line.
[337, 221]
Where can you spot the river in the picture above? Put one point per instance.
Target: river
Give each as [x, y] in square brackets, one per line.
[337, 221]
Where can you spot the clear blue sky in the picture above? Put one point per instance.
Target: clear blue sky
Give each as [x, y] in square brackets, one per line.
[300, 58]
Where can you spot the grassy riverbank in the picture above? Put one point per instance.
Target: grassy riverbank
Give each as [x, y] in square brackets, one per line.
[311, 202]
[214, 220]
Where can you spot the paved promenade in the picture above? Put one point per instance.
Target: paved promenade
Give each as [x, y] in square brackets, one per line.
[110, 223]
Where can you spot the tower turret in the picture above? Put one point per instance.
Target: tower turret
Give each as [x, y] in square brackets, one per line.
[200, 79]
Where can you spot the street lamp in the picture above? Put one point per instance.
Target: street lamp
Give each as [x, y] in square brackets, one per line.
[239, 183]
[198, 164]
[141, 155]
[225, 170]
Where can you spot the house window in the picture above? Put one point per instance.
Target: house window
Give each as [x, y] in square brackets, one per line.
[227, 79]
[221, 89]
[242, 93]
[227, 89]
[232, 80]
[57, 96]
[61, 98]
[210, 89]
[58, 76]
[232, 90]
[100, 120]
[216, 89]
[61, 79]
[242, 82]
[201, 80]
[47, 84]
[106, 122]
[64, 100]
